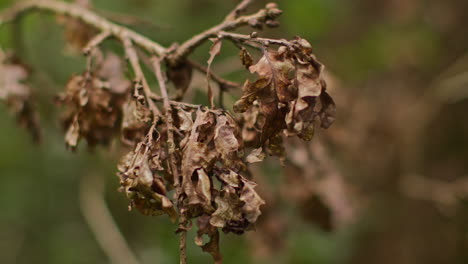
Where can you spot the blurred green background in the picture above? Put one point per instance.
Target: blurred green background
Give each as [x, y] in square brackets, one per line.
[398, 71]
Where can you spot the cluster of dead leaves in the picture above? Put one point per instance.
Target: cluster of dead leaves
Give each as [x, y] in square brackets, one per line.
[94, 102]
[143, 180]
[289, 97]
[207, 171]
[17, 95]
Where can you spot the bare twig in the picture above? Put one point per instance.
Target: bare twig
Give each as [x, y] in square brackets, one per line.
[157, 98]
[96, 41]
[248, 38]
[101, 223]
[183, 247]
[140, 77]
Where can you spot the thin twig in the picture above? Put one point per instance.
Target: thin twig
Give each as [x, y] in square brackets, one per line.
[157, 98]
[183, 247]
[96, 41]
[101, 223]
[169, 119]
[140, 77]
[248, 38]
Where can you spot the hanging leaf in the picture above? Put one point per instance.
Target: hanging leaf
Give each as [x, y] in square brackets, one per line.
[181, 76]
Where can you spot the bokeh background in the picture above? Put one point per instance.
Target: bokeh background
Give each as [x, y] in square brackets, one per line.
[388, 183]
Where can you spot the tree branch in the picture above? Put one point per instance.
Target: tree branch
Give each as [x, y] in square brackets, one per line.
[140, 77]
[89, 17]
[96, 41]
[85, 15]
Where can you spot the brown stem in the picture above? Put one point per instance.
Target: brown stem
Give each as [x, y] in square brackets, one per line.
[139, 76]
[183, 247]
[248, 38]
[169, 120]
[96, 41]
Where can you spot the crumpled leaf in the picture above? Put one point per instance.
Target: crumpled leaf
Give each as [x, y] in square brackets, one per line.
[252, 201]
[136, 118]
[227, 142]
[230, 178]
[289, 96]
[328, 111]
[228, 214]
[214, 150]
[238, 204]
[197, 156]
[212, 247]
[139, 178]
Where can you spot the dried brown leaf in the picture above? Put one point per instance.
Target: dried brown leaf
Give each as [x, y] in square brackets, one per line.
[284, 97]
[252, 201]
